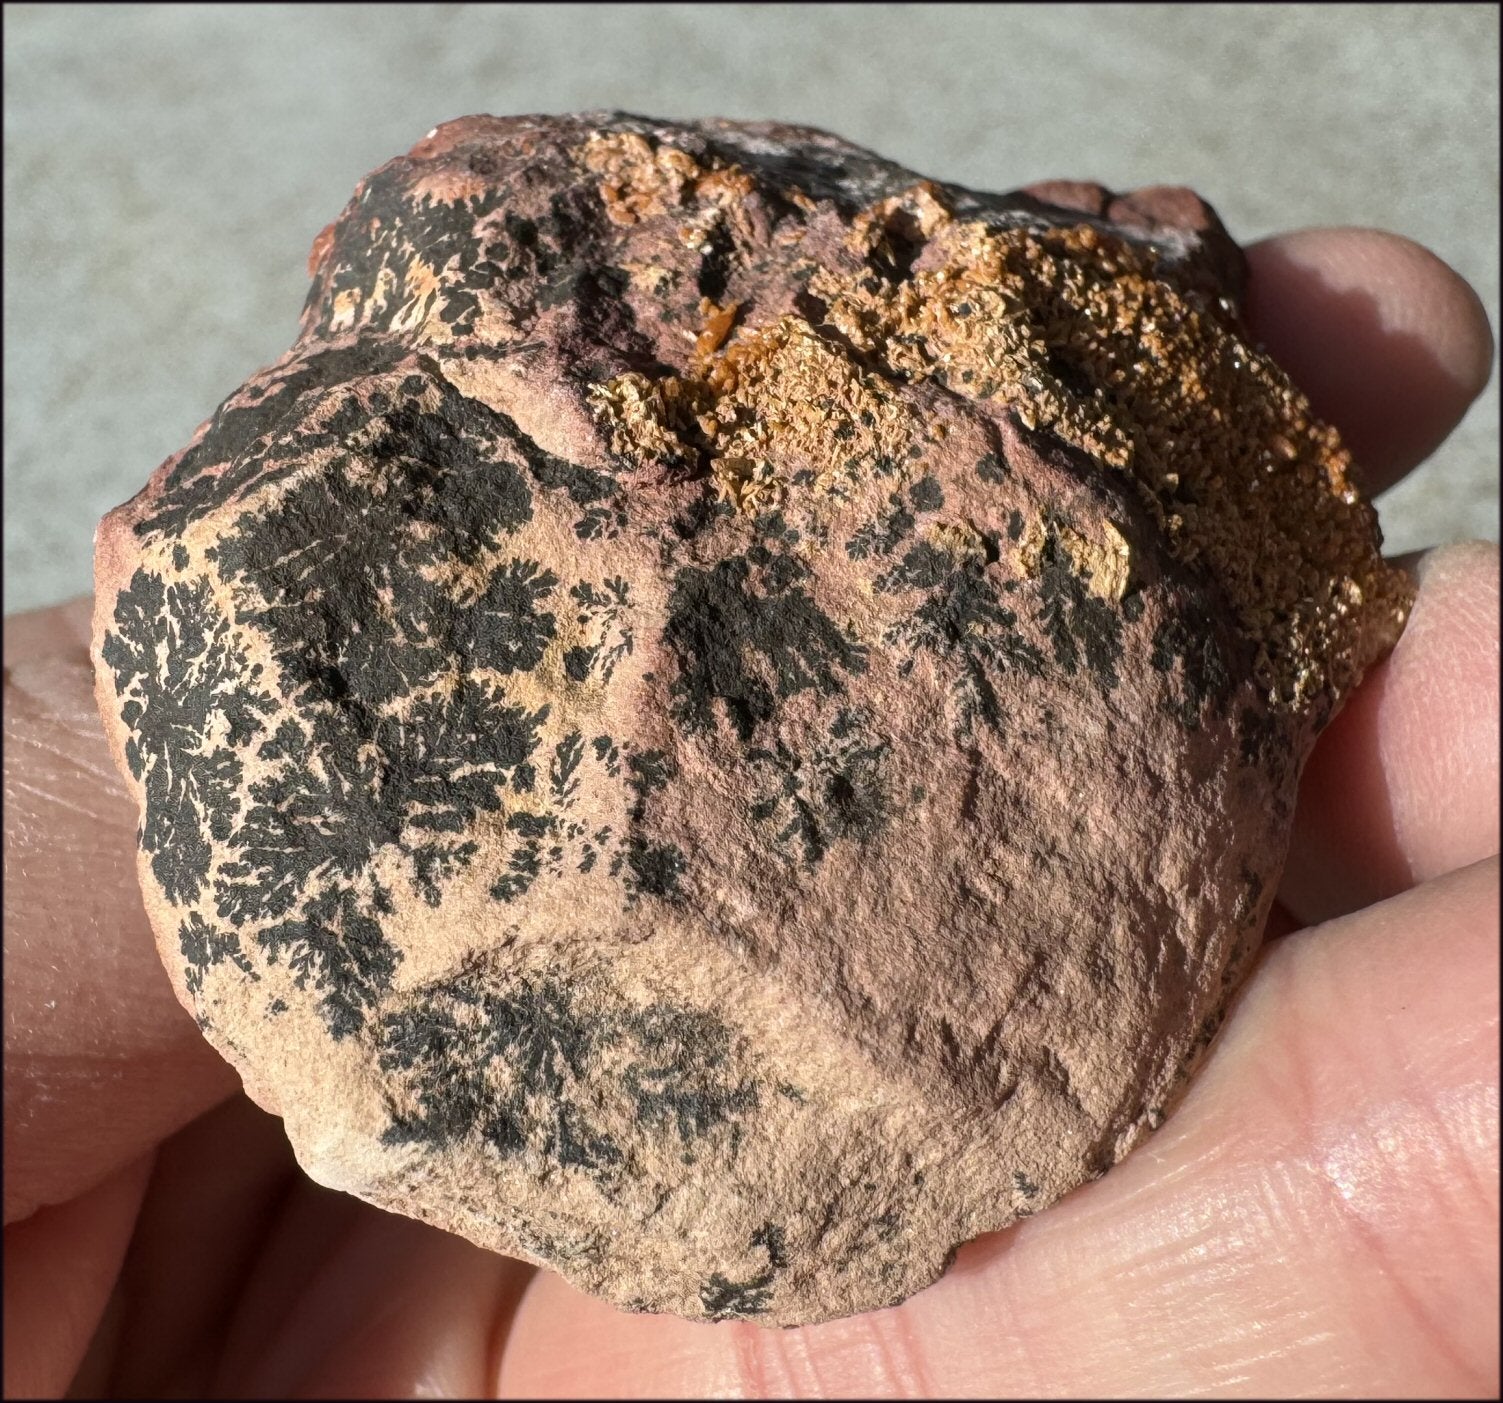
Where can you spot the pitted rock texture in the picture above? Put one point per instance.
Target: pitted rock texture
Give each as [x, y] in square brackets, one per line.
[726, 719]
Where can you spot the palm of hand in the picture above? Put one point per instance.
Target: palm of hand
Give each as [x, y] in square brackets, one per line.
[1319, 1216]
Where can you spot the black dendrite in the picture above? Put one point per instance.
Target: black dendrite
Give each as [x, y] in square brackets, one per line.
[508, 627]
[191, 704]
[342, 571]
[1186, 649]
[204, 946]
[602, 613]
[538, 1068]
[1083, 629]
[351, 784]
[680, 1078]
[727, 1299]
[838, 790]
[747, 633]
[650, 868]
[337, 942]
[963, 624]
[883, 533]
[550, 838]
[362, 573]
[391, 235]
[258, 436]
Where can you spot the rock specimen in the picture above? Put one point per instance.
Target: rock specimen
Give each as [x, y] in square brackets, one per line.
[726, 719]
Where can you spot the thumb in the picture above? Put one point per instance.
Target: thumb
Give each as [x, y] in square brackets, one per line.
[101, 1060]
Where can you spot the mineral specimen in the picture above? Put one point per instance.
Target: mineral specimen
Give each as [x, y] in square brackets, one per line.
[726, 719]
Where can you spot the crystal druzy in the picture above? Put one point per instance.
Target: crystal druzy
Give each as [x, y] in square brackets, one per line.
[726, 719]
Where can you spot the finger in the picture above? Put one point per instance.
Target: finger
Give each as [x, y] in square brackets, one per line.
[247, 1280]
[1319, 1217]
[101, 1060]
[1390, 343]
[216, 1192]
[1403, 785]
[60, 1266]
[349, 1302]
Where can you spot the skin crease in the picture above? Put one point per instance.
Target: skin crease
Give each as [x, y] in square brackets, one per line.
[1319, 1217]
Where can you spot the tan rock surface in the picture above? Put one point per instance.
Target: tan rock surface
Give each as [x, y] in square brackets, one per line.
[726, 719]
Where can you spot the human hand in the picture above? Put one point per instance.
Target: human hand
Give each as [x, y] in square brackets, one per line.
[1319, 1216]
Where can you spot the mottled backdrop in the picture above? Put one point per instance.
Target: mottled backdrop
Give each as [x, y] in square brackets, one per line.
[167, 166]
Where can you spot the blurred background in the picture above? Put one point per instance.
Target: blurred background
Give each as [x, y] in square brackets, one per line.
[167, 167]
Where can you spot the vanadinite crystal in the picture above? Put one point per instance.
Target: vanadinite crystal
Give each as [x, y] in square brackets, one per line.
[726, 719]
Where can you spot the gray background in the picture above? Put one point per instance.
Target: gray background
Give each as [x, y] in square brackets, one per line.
[167, 166]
